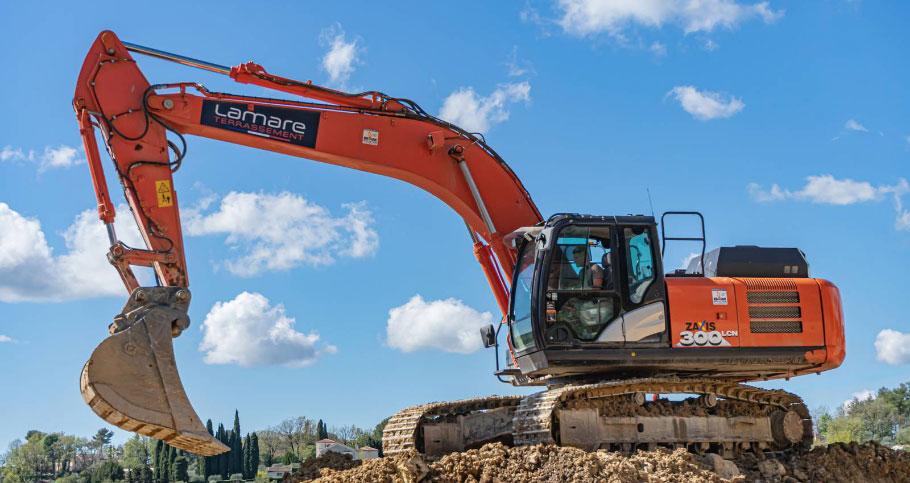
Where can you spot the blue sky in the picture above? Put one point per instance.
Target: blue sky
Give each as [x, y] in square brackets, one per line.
[783, 122]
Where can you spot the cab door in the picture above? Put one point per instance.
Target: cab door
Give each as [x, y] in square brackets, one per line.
[642, 286]
[582, 302]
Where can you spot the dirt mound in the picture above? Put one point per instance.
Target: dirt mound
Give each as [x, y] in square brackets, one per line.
[837, 462]
[498, 463]
[312, 468]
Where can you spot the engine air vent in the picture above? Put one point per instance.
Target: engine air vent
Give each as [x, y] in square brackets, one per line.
[772, 297]
[776, 326]
[775, 312]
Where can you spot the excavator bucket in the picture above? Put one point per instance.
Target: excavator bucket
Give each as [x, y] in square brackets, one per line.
[131, 380]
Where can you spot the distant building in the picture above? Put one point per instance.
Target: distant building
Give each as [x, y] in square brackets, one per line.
[368, 453]
[277, 472]
[325, 445]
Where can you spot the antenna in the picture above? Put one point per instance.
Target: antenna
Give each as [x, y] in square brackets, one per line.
[648, 190]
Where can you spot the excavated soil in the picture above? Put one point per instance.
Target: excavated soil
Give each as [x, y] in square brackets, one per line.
[496, 463]
[837, 462]
[541, 463]
[312, 468]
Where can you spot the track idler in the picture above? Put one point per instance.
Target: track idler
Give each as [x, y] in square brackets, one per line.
[131, 380]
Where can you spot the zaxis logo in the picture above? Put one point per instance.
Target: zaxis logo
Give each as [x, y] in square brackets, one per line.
[703, 325]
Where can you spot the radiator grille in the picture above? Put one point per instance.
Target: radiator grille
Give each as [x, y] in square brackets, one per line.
[784, 312]
[775, 326]
[773, 297]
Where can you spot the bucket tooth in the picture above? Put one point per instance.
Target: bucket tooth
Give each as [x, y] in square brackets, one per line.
[131, 381]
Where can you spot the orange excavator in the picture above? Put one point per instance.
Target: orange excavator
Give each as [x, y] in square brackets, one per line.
[588, 310]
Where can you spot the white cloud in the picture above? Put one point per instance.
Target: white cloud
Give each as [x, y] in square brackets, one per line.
[30, 272]
[893, 347]
[518, 67]
[342, 56]
[448, 325]
[284, 230]
[863, 395]
[658, 49]
[61, 156]
[710, 45]
[706, 105]
[477, 114]
[10, 153]
[902, 222]
[6, 338]
[855, 126]
[250, 332]
[590, 17]
[826, 189]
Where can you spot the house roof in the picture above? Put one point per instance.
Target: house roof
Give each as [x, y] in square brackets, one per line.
[326, 441]
[369, 448]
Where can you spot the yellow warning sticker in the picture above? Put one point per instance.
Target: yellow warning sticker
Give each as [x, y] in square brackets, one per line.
[165, 196]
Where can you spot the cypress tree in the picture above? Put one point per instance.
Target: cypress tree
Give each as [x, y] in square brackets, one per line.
[223, 457]
[156, 460]
[207, 460]
[321, 432]
[181, 469]
[171, 459]
[230, 454]
[236, 450]
[237, 453]
[254, 454]
[165, 459]
[164, 477]
[216, 460]
[246, 457]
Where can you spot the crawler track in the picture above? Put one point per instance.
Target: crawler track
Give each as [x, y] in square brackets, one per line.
[536, 417]
[401, 433]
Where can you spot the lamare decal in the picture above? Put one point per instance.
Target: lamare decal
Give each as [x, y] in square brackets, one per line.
[292, 126]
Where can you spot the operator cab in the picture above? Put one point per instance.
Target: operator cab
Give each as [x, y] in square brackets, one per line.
[584, 284]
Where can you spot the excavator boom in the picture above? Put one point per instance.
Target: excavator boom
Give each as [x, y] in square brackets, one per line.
[131, 379]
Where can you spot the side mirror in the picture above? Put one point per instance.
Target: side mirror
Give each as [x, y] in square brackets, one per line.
[488, 335]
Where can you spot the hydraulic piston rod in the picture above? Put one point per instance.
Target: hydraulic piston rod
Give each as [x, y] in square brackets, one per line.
[180, 59]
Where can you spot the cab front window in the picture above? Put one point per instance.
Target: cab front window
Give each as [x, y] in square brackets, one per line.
[522, 286]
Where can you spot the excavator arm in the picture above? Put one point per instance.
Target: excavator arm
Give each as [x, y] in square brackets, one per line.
[131, 379]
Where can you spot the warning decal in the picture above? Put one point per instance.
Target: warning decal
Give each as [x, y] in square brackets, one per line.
[165, 196]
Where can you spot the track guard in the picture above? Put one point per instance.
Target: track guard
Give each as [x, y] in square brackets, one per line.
[131, 379]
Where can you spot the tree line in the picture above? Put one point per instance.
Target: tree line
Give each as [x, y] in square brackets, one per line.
[883, 417]
[66, 458]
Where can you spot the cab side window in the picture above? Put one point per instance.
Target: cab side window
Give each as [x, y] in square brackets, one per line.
[639, 261]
